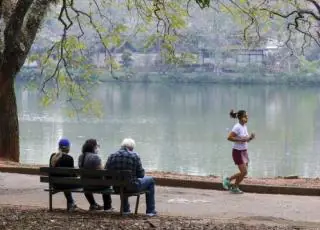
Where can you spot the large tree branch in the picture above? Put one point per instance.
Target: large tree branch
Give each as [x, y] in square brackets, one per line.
[1, 8]
[34, 19]
[2, 26]
[13, 28]
[21, 31]
[11, 36]
[7, 7]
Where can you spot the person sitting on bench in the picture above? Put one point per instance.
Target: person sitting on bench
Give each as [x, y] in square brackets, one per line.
[89, 159]
[62, 159]
[126, 159]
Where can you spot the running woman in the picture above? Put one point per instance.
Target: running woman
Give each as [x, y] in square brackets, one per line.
[240, 138]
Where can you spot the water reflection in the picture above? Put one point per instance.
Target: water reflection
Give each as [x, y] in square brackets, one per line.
[183, 128]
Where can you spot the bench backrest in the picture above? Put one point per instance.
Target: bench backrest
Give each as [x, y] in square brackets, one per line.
[85, 177]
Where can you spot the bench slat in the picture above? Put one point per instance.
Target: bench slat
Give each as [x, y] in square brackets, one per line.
[112, 174]
[133, 193]
[82, 181]
[81, 190]
[64, 190]
[105, 191]
[61, 180]
[59, 170]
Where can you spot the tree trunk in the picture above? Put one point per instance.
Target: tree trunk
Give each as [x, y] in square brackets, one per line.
[9, 127]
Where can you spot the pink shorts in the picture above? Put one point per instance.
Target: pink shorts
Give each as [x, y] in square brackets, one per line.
[240, 157]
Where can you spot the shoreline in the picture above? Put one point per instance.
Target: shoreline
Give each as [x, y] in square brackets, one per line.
[202, 77]
[293, 185]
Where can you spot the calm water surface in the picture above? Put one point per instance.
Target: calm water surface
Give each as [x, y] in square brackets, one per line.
[183, 128]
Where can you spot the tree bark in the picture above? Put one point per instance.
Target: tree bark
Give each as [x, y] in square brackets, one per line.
[9, 128]
[22, 21]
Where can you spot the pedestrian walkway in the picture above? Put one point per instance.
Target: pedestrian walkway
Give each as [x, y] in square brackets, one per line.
[17, 189]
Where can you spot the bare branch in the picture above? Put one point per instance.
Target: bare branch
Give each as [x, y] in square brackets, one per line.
[306, 39]
[289, 38]
[89, 17]
[317, 5]
[246, 29]
[53, 75]
[68, 9]
[100, 13]
[299, 11]
[67, 25]
[188, 3]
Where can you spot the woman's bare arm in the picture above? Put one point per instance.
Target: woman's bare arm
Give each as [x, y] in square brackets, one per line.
[234, 138]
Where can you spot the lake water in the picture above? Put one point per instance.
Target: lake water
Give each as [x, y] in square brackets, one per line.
[183, 128]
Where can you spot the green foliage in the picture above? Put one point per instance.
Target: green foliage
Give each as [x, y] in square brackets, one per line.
[47, 99]
[126, 58]
[203, 3]
[309, 67]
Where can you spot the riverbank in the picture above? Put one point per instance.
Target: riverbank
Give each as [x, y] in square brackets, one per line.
[241, 76]
[292, 185]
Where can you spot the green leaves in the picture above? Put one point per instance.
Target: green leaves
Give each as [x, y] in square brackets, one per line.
[306, 66]
[46, 100]
[203, 3]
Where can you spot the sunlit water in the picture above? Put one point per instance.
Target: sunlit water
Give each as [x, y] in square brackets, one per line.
[183, 128]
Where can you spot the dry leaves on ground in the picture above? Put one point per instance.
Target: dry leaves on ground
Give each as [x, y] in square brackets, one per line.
[23, 218]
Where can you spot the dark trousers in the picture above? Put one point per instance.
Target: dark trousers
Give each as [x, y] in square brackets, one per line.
[146, 183]
[68, 195]
[107, 201]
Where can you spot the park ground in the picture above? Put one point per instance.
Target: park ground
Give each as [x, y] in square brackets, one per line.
[24, 205]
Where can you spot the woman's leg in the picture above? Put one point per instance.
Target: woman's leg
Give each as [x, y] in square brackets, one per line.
[243, 172]
[235, 176]
[107, 201]
[241, 159]
[90, 198]
[69, 198]
[236, 156]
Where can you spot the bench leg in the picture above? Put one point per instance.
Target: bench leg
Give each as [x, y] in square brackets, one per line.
[137, 205]
[50, 200]
[121, 201]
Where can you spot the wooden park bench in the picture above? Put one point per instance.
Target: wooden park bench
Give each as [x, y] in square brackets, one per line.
[83, 178]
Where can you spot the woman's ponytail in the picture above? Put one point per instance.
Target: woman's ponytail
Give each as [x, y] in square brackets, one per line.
[233, 114]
